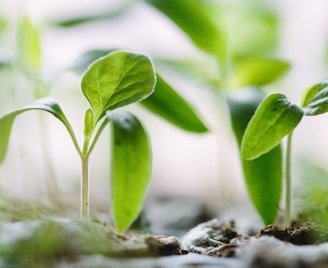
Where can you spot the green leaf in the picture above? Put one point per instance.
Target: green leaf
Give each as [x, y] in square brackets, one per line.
[263, 177]
[315, 99]
[168, 104]
[253, 30]
[194, 21]
[29, 44]
[88, 122]
[84, 60]
[118, 79]
[242, 105]
[275, 118]
[3, 24]
[120, 8]
[259, 71]
[6, 122]
[131, 167]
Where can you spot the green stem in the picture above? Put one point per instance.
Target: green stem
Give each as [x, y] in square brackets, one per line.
[287, 220]
[85, 188]
[86, 152]
[95, 139]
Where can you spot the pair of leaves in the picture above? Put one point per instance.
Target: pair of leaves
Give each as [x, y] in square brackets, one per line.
[117, 80]
[164, 102]
[275, 118]
[261, 154]
[262, 173]
[113, 81]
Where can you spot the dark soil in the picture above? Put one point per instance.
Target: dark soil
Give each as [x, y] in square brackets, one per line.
[76, 244]
[300, 233]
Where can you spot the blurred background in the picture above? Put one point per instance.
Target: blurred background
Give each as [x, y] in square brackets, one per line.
[42, 164]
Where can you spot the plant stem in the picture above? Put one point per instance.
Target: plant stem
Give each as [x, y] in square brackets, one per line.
[85, 188]
[95, 139]
[85, 154]
[287, 220]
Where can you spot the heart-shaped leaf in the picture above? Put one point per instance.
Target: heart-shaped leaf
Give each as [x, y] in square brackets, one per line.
[118, 79]
[275, 118]
[315, 99]
[6, 122]
[131, 167]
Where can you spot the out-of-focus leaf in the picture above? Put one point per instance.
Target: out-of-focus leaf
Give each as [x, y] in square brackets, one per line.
[255, 31]
[131, 167]
[263, 176]
[252, 27]
[275, 118]
[259, 71]
[189, 16]
[118, 79]
[168, 104]
[204, 69]
[315, 99]
[4, 63]
[82, 62]
[29, 48]
[242, 105]
[3, 24]
[6, 122]
[110, 14]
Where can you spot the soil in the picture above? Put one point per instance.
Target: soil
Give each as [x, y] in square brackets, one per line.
[59, 242]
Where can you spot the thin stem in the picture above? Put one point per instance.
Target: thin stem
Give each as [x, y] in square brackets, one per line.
[287, 220]
[85, 188]
[85, 154]
[73, 137]
[100, 130]
[86, 151]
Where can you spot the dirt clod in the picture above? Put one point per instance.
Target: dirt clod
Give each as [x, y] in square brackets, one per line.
[298, 233]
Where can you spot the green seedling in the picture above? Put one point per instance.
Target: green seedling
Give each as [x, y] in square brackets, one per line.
[164, 102]
[265, 172]
[275, 118]
[244, 65]
[118, 79]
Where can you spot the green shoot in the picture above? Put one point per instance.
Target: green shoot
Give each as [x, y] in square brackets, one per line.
[116, 80]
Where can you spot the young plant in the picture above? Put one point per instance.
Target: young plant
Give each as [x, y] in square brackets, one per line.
[113, 81]
[275, 118]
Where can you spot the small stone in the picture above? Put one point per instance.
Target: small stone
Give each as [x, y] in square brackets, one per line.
[211, 238]
[164, 245]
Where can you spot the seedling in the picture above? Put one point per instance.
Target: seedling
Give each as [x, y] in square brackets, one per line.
[275, 118]
[113, 81]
